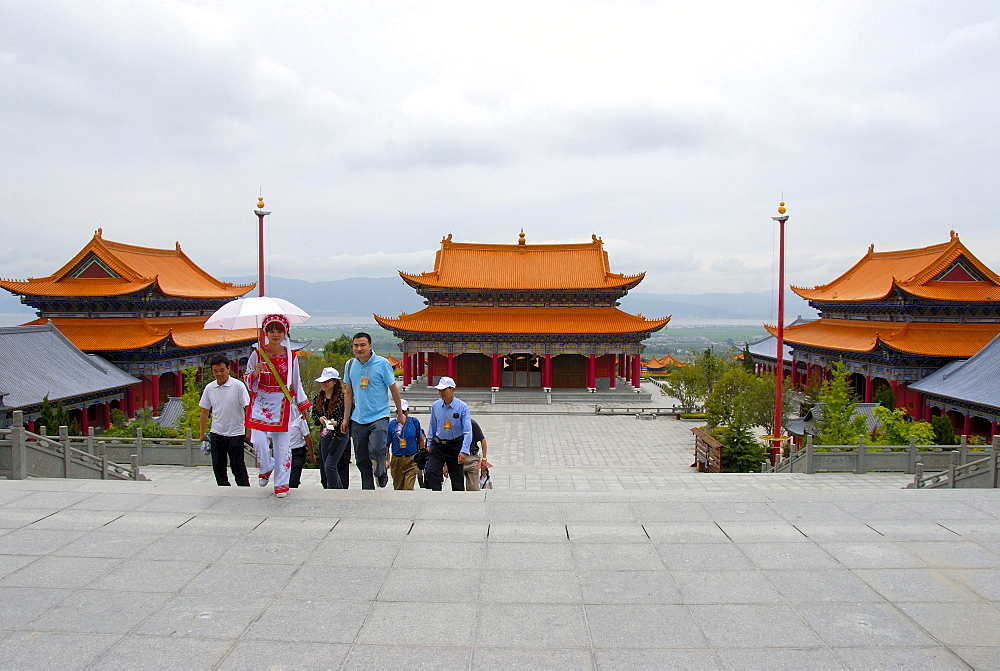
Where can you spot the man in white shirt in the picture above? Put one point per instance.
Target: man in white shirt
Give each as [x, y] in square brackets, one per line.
[227, 398]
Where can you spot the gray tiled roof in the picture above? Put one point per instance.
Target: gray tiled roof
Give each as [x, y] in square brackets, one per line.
[36, 361]
[799, 426]
[171, 414]
[975, 380]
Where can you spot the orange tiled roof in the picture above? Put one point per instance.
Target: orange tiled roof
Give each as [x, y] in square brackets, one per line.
[441, 319]
[122, 333]
[664, 362]
[393, 361]
[912, 270]
[466, 265]
[929, 339]
[137, 268]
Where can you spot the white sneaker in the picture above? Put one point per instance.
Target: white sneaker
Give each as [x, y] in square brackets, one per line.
[262, 480]
[281, 495]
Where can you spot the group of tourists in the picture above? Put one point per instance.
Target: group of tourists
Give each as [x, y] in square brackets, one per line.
[270, 409]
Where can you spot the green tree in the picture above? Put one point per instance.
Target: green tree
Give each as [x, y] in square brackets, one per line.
[191, 416]
[895, 429]
[150, 429]
[52, 416]
[839, 423]
[944, 431]
[747, 360]
[341, 346]
[686, 384]
[743, 400]
[885, 397]
[742, 452]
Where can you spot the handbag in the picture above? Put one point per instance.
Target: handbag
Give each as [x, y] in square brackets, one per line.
[421, 457]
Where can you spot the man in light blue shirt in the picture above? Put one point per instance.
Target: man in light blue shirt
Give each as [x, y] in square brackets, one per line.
[368, 381]
[450, 435]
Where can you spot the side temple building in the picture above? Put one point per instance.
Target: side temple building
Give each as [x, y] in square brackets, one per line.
[139, 308]
[896, 317]
[542, 316]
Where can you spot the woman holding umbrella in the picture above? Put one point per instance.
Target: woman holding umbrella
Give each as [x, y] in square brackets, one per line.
[272, 376]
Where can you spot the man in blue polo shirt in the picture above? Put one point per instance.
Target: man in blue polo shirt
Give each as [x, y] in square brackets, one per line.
[404, 440]
[450, 433]
[368, 381]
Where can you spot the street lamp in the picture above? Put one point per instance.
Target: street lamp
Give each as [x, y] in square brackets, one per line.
[261, 213]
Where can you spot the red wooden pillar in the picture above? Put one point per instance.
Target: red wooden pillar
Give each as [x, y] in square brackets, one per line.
[107, 414]
[155, 383]
[611, 383]
[31, 426]
[967, 425]
[83, 421]
[547, 372]
[895, 393]
[495, 371]
[451, 366]
[636, 370]
[406, 370]
[420, 364]
[179, 383]
[592, 372]
[620, 364]
[868, 388]
[993, 429]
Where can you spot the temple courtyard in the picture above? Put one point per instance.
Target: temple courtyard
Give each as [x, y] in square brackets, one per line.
[598, 548]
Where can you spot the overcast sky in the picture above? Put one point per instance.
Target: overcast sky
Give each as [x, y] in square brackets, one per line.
[669, 129]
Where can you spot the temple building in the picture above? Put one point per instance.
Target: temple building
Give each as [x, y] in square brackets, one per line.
[537, 316]
[896, 317]
[141, 309]
[661, 365]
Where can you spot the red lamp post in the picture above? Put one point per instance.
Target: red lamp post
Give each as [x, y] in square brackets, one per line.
[261, 213]
[780, 351]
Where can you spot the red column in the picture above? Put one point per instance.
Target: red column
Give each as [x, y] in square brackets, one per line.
[155, 382]
[592, 371]
[636, 370]
[967, 425]
[620, 364]
[547, 372]
[84, 425]
[993, 429]
[868, 388]
[406, 370]
[613, 371]
[107, 414]
[31, 426]
[420, 364]
[495, 372]
[451, 366]
[179, 383]
[895, 392]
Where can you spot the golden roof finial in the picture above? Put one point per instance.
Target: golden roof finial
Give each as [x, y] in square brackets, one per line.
[520, 238]
[781, 207]
[260, 202]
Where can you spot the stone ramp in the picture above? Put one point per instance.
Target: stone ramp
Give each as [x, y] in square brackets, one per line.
[179, 575]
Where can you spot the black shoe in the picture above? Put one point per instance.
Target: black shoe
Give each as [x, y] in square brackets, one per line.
[383, 480]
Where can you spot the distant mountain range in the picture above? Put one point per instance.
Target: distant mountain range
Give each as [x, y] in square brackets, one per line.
[389, 296]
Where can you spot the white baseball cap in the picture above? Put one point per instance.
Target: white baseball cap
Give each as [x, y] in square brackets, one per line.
[329, 373]
[444, 383]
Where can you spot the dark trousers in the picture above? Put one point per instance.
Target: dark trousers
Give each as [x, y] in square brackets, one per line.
[228, 448]
[445, 452]
[332, 449]
[369, 450]
[298, 461]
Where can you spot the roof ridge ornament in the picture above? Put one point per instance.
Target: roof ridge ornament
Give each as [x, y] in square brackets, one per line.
[520, 238]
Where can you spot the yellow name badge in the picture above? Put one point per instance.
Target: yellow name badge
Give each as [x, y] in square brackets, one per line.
[364, 382]
[447, 425]
[402, 443]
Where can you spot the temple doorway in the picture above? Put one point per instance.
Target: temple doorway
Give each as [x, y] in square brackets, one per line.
[521, 370]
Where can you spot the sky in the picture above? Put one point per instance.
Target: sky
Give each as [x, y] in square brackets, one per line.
[669, 129]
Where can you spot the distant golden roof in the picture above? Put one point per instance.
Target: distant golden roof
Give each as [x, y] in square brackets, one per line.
[106, 268]
[441, 319]
[923, 338]
[661, 363]
[123, 333]
[466, 265]
[948, 271]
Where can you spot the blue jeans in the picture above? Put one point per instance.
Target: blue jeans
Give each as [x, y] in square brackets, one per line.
[331, 449]
[369, 449]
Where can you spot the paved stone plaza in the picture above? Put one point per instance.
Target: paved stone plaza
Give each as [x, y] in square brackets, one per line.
[650, 566]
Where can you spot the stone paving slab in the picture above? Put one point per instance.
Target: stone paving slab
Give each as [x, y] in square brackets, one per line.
[742, 578]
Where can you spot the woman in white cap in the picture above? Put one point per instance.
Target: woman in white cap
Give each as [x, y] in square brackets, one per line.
[328, 413]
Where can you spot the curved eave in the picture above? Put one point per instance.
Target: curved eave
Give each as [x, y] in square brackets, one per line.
[124, 334]
[72, 287]
[522, 321]
[920, 339]
[613, 281]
